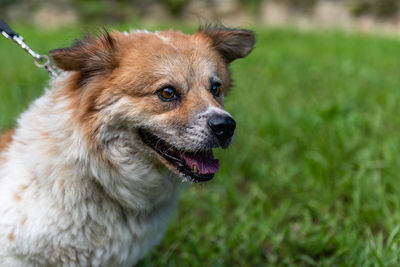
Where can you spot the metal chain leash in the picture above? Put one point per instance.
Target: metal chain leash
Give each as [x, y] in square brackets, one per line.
[41, 61]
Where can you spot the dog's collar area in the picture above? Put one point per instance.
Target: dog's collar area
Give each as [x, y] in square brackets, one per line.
[197, 167]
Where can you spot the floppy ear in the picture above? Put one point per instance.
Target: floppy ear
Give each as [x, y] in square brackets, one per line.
[230, 43]
[90, 56]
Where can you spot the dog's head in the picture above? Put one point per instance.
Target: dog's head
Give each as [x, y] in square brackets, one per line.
[166, 89]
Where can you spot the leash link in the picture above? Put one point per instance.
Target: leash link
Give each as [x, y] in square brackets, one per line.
[41, 61]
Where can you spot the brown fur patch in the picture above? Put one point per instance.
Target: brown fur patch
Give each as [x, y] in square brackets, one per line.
[230, 43]
[5, 139]
[22, 188]
[17, 197]
[91, 56]
[11, 237]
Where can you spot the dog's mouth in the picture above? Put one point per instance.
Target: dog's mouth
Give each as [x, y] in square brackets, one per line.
[197, 166]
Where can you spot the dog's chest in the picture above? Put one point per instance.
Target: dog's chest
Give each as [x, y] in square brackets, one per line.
[95, 233]
[121, 237]
[130, 238]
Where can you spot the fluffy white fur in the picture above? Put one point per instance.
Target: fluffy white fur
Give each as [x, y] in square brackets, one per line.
[62, 205]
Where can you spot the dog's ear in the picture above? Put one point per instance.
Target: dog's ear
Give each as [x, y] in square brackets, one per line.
[230, 43]
[90, 56]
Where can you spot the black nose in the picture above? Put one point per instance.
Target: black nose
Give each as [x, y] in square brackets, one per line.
[223, 126]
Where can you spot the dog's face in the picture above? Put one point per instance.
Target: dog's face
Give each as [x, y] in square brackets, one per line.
[166, 88]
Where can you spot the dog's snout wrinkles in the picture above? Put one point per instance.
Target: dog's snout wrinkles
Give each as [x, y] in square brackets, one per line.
[223, 126]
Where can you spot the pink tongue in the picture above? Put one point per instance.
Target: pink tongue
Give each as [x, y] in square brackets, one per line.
[204, 161]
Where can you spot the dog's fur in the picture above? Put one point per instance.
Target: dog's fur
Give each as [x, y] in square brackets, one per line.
[78, 186]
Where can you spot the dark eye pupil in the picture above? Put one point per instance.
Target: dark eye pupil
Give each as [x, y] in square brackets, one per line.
[168, 93]
[215, 90]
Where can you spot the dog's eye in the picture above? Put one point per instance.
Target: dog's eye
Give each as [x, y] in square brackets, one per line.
[215, 89]
[167, 93]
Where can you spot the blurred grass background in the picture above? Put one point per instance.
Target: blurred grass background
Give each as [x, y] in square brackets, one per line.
[312, 178]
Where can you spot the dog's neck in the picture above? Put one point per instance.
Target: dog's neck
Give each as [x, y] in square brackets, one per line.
[77, 170]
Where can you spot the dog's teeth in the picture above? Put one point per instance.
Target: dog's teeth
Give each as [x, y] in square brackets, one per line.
[195, 170]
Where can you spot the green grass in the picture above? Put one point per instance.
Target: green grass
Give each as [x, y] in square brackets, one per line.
[313, 177]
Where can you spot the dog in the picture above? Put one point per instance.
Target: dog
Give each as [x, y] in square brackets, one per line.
[85, 176]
